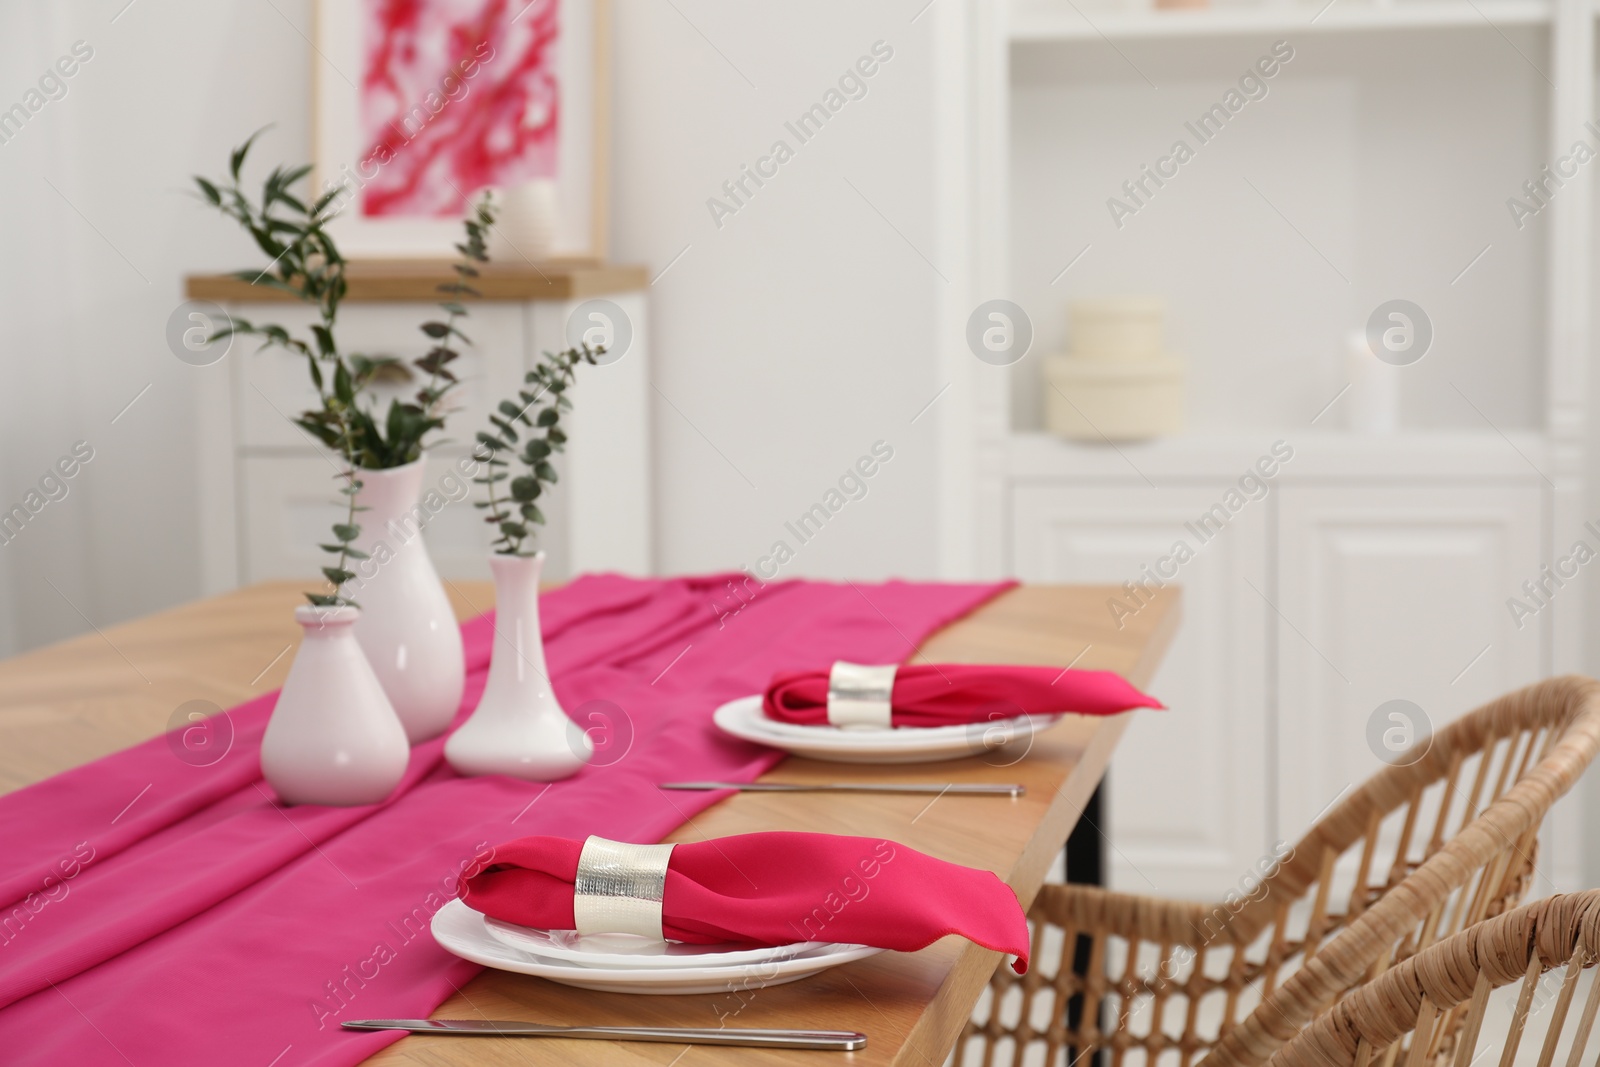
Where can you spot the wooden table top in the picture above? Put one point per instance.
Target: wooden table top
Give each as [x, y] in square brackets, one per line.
[75, 701]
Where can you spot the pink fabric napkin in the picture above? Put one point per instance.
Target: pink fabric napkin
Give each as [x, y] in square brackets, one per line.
[775, 889]
[155, 911]
[949, 694]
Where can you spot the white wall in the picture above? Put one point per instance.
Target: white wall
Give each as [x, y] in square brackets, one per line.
[802, 329]
[786, 341]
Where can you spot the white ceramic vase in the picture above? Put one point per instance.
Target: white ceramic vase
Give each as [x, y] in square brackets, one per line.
[333, 737]
[525, 232]
[406, 628]
[519, 728]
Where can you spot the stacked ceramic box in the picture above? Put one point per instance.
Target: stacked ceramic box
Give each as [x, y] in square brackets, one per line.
[1118, 382]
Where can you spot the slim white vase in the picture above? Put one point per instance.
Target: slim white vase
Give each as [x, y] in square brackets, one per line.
[333, 737]
[519, 728]
[525, 233]
[406, 627]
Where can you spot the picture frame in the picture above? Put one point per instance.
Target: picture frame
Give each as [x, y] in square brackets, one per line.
[392, 206]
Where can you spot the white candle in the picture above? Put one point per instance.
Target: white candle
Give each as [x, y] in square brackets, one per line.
[1373, 403]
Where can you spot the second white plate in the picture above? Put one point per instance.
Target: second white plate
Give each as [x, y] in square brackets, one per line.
[905, 744]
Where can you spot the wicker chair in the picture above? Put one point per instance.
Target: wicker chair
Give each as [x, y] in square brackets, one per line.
[1413, 855]
[1431, 1008]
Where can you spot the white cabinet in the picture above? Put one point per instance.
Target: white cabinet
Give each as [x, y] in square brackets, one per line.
[1357, 580]
[268, 495]
[1186, 788]
[1393, 592]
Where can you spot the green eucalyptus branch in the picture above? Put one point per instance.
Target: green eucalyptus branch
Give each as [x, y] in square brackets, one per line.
[304, 261]
[515, 515]
[474, 251]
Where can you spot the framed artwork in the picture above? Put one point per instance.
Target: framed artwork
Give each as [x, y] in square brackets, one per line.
[420, 105]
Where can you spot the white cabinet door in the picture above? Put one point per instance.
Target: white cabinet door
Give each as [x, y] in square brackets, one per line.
[608, 495]
[1394, 592]
[1188, 798]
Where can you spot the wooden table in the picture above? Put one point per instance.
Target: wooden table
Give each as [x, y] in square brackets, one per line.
[72, 702]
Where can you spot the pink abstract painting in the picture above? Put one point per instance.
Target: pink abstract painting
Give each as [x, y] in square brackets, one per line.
[456, 96]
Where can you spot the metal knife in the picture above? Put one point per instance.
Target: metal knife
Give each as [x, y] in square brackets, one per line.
[831, 1040]
[966, 788]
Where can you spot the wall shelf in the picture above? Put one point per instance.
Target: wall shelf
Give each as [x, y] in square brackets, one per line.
[1430, 456]
[1058, 20]
[418, 281]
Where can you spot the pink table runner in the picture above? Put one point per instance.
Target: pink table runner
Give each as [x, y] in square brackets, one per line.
[165, 913]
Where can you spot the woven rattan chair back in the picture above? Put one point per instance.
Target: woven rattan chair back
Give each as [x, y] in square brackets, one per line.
[1439, 1009]
[1413, 855]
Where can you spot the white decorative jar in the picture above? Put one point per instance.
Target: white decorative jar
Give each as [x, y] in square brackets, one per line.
[519, 727]
[1120, 328]
[1118, 383]
[333, 737]
[407, 627]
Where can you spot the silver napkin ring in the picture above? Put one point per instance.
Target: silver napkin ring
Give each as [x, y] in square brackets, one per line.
[858, 695]
[619, 888]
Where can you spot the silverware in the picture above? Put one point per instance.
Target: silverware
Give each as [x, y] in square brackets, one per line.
[834, 1040]
[968, 788]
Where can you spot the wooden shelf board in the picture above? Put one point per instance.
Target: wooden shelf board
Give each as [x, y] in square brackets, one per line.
[418, 281]
[1056, 20]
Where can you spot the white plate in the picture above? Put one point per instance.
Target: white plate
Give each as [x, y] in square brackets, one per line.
[630, 950]
[462, 931]
[901, 744]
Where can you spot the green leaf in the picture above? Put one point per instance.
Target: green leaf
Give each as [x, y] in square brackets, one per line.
[236, 161]
[337, 576]
[549, 417]
[505, 428]
[524, 489]
[532, 514]
[346, 532]
[546, 473]
[324, 337]
[514, 530]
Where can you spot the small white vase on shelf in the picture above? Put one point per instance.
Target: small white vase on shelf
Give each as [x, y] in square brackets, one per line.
[407, 628]
[333, 737]
[519, 728]
[525, 232]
